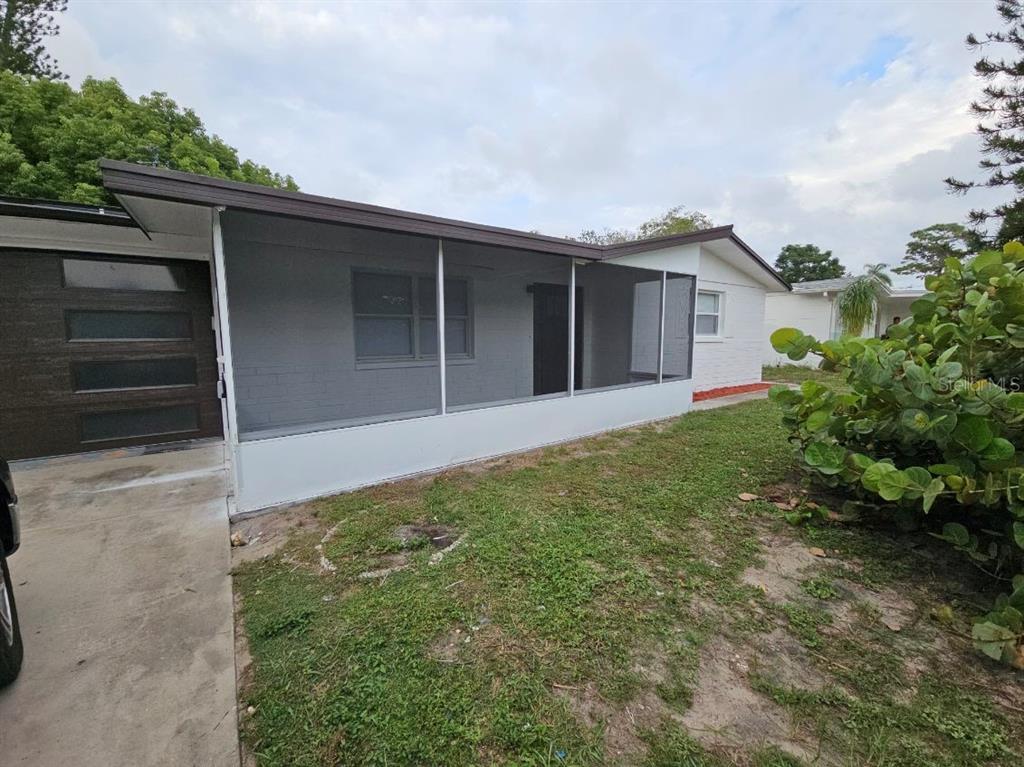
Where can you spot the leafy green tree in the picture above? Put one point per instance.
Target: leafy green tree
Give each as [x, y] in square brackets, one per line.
[674, 221]
[929, 431]
[800, 263]
[929, 248]
[23, 26]
[857, 302]
[52, 136]
[1001, 125]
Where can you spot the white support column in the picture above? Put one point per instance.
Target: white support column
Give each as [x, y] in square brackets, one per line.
[572, 326]
[442, 368]
[224, 321]
[661, 328]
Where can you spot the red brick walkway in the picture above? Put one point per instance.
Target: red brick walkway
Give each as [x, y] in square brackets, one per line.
[725, 391]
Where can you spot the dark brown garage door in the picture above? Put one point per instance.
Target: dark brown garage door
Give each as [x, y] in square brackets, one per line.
[99, 352]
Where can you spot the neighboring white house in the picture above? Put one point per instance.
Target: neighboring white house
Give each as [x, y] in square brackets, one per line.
[811, 307]
[336, 344]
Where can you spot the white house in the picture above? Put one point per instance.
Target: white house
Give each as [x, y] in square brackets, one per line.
[811, 307]
[335, 344]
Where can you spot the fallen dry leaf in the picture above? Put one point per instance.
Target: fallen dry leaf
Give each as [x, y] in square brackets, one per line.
[816, 552]
[748, 497]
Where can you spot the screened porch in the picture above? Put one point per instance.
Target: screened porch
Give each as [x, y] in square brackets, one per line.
[334, 326]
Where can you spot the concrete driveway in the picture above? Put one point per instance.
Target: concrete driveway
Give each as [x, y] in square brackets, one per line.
[124, 592]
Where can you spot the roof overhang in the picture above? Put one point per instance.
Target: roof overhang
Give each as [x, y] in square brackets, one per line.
[129, 182]
[51, 210]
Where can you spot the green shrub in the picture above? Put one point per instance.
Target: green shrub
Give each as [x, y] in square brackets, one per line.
[932, 428]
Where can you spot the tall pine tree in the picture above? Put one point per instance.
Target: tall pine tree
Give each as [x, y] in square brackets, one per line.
[1001, 127]
[24, 24]
[929, 248]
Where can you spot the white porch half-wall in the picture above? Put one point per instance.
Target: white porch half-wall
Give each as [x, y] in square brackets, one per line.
[283, 470]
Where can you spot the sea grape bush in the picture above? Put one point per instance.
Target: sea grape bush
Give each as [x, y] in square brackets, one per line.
[933, 424]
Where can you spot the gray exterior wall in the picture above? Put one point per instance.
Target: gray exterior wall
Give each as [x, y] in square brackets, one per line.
[289, 291]
[502, 368]
[289, 286]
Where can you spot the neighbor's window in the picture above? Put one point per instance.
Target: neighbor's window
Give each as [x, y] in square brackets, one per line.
[709, 313]
[396, 317]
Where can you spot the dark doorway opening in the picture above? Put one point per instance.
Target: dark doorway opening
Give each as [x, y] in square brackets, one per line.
[551, 338]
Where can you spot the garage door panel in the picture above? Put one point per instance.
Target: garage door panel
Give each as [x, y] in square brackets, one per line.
[61, 345]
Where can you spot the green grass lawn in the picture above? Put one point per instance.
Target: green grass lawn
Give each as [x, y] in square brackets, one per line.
[572, 625]
[798, 373]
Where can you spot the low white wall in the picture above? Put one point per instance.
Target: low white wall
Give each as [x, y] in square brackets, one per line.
[295, 468]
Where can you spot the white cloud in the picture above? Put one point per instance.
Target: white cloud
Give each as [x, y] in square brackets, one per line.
[561, 117]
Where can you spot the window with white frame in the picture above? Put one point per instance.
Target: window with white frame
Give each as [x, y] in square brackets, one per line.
[396, 316]
[709, 313]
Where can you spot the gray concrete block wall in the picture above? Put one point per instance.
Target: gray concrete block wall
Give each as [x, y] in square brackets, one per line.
[292, 324]
[289, 287]
[289, 297]
[503, 317]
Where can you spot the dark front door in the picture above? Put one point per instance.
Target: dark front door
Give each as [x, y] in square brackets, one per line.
[99, 352]
[551, 338]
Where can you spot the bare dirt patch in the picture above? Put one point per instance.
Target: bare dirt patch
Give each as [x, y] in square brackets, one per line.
[895, 611]
[621, 725]
[727, 714]
[438, 536]
[262, 535]
[445, 649]
[785, 564]
[385, 565]
[442, 538]
[779, 657]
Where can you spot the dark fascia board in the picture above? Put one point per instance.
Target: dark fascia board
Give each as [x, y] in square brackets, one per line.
[702, 235]
[760, 261]
[160, 183]
[128, 178]
[24, 207]
[666, 241]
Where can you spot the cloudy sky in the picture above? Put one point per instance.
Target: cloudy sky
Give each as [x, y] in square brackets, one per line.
[831, 123]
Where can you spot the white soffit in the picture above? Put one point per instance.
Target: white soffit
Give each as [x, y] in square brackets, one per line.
[732, 254]
[189, 226]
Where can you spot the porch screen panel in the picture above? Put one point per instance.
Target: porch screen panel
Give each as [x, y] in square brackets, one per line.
[680, 290]
[506, 325]
[329, 325]
[621, 324]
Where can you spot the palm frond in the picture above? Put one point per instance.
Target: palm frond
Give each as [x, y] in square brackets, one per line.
[856, 303]
[878, 272]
